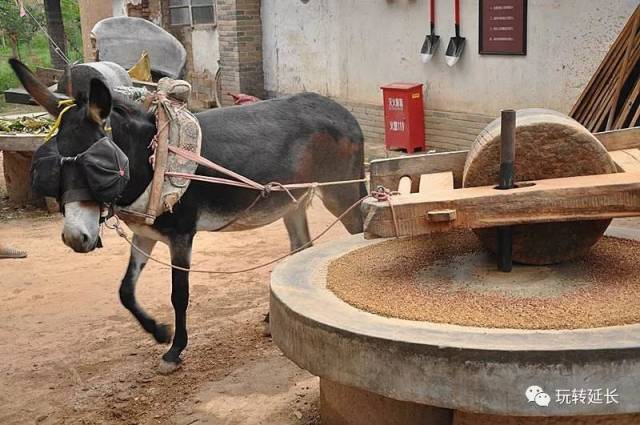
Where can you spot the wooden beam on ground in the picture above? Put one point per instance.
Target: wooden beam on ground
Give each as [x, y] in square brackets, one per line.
[552, 200]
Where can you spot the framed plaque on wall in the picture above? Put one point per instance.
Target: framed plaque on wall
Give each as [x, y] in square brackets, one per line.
[503, 27]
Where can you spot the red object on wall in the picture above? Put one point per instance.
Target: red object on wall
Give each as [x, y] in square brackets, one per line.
[403, 117]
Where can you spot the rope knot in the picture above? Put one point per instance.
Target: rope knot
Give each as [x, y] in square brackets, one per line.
[382, 194]
[267, 189]
[271, 186]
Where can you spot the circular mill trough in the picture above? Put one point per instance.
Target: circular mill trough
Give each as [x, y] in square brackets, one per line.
[426, 330]
[376, 369]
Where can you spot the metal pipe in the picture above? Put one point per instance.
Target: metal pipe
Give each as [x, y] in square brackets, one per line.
[507, 177]
[507, 148]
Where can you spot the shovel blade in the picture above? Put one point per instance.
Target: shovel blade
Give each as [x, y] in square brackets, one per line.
[429, 47]
[454, 50]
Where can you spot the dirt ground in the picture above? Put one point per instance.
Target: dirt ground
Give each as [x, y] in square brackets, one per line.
[71, 354]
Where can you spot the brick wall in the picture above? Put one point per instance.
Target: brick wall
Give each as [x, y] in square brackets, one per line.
[444, 130]
[140, 10]
[240, 30]
[202, 83]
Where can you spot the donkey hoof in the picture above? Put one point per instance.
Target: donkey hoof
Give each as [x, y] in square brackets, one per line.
[162, 334]
[166, 368]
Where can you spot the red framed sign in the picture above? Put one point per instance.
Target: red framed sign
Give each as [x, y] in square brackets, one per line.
[503, 27]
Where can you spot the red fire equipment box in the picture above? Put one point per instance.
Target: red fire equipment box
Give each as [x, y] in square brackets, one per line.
[403, 117]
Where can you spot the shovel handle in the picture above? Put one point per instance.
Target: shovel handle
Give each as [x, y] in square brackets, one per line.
[432, 16]
[457, 11]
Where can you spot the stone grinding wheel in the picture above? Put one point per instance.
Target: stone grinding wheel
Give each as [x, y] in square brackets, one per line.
[548, 145]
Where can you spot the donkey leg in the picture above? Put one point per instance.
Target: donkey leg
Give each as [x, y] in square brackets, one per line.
[180, 247]
[297, 227]
[137, 261]
[338, 199]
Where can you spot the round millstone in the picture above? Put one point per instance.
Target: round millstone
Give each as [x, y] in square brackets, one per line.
[548, 145]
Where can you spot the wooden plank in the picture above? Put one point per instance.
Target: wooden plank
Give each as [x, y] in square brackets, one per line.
[387, 172]
[436, 182]
[606, 99]
[622, 76]
[627, 160]
[568, 199]
[616, 140]
[636, 118]
[602, 86]
[604, 94]
[603, 73]
[588, 90]
[600, 123]
[20, 142]
[627, 105]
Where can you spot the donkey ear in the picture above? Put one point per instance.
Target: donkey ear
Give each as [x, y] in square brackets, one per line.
[35, 88]
[99, 101]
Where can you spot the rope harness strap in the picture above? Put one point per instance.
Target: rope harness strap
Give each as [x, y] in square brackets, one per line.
[381, 194]
[167, 110]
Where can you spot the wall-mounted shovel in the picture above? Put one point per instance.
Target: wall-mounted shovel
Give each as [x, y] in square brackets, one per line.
[456, 44]
[432, 40]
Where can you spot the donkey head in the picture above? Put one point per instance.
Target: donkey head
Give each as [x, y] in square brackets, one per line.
[81, 131]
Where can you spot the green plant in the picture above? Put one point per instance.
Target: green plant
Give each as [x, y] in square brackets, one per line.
[15, 28]
[35, 52]
[71, 16]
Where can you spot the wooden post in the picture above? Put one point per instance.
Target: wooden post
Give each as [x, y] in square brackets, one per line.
[507, 171]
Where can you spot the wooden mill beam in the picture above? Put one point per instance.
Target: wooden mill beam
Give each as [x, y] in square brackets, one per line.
[552, 200]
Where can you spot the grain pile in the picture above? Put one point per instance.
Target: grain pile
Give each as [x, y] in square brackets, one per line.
[443, 279]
